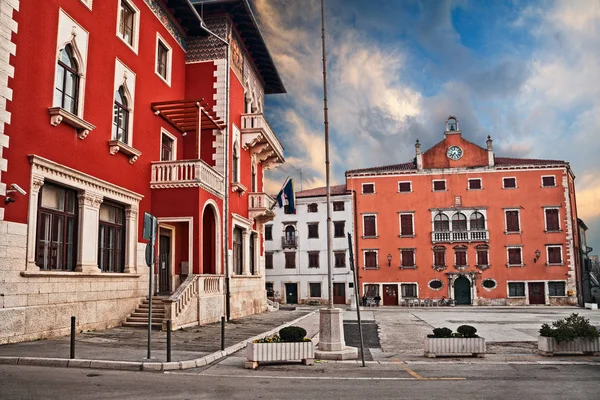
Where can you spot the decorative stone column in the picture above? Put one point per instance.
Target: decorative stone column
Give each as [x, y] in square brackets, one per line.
[131, 238]
[87, 246]
[246, 251]
[37, 181]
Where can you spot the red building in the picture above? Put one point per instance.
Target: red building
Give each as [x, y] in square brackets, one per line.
[461, 223]
[121, 107]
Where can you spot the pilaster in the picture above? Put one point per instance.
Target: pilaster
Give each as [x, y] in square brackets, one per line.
[246, 249]
[37, 181]
[131, 238]
[89, 216]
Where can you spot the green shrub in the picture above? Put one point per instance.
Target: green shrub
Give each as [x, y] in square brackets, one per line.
[441, 333]
[292, 334]
[570, 328]
[467, 331]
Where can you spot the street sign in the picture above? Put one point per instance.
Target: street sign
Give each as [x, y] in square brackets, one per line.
[150, 225]
[149, 254]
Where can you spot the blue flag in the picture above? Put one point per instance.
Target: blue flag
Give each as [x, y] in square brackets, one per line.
[287, 193]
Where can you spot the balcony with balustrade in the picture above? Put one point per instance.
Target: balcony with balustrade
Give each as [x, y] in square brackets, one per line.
[186, 173]
[260, 207]
[460, 236]
[258, 136]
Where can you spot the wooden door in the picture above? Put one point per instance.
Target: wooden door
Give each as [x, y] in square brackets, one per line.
[462, 291]
[164, 264]
[390, 295]
[536, 293]
[291, 293]
[339, 293]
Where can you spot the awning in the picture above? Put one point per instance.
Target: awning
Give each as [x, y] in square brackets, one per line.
[184, 115]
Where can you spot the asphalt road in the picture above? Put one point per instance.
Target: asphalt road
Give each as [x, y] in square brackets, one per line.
[401, 381]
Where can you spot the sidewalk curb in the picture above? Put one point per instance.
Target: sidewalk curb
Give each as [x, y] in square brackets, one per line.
[140, 365]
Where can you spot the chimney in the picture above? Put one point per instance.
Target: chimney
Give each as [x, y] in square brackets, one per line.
[490, 151]
[419, 156]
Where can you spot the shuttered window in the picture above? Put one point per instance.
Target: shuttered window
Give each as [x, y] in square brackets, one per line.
[554, 255]
[514, 256]
[404, 187]
[268, 260]
[439, 256]
[368, 188]
[461, 257]
[512, 221]
[439, 185]
[482, 257]
[509, 182]
[313, 259]
[370, 259]
[408, 257]
[552, 223]
[369, 225]
[340, 259]
[290, 260]
[474, 184]
[409, 290]
[406, 225]
[548, 181]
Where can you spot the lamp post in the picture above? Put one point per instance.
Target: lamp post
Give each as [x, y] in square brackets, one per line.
[389, 258]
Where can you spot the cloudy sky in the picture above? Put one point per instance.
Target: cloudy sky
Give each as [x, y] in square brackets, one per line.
[525, 72]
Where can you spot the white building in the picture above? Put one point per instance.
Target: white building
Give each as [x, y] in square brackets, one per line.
[296, 249]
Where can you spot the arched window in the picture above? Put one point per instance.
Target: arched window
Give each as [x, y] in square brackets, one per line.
[67, 82]
[234, 166]
[477, 221]
[121, 116]
[459, 222]
[441, 223]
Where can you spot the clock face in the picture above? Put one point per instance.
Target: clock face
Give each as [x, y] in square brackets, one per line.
[454, 152]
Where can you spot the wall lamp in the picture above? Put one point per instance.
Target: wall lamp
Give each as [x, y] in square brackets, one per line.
[537, 256]
[389, 258]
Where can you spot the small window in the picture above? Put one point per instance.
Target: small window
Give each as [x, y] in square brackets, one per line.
[406, 225]
[408, 258]
[368, 188]
[314, 289]
[439, 256]
[489, 283]
[409, 290]
[290, 259]
[312, 208]
[516, 289]
[404, 187]
[167, 149]
[268, 260]
[338, 206]
[460, 256]
[509, 183]
[369, 226]
[339, 229]
[313, 230]
[435, 284]
[370, 259]
[163, 60]
[514, 256]
[127, 21]
[512, 221]
[439, 186]
[340, 259]
[552, 219]
[474, 184]
[556, 289]
[313, 259]
[268, 232]
[548, 181]
[554, 255]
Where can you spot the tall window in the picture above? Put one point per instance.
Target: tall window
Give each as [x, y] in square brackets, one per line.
[369, 228]
[234, 164]
[512, 221]
[238, 267]
[408, 258]
[339, 228]
[270, 288]
[439, 256]
[370, 259]
[482, 256]
[67, 82]
[121, 116]
[290, 259]
[126, 21]
[552, 219]
[166, 148]
[111, 238]
[477, 221]
[406, 225]
[56, 228]
[313, 259]
[290, 236]
[514, 256]
[460, 256]
[268, 232]
[313, 230]
[459, 222]
[340, 259]
[441, 223]
[409, 290]
[268, 260]
[314, 289]
[162, 60]
[252, 255]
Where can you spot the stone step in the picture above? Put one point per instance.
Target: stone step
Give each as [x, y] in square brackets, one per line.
[155, 325]
[145, 314]
[144, 319]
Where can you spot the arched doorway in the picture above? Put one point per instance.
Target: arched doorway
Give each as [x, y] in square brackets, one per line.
[209, 236]
[462, 291]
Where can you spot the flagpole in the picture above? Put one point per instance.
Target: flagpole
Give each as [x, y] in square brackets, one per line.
[327, 166]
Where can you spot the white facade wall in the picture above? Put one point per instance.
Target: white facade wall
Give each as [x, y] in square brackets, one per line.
[302, 275]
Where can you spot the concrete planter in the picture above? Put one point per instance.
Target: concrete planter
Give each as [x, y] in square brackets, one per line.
[454, 347]
[267, 352]
[548, 346]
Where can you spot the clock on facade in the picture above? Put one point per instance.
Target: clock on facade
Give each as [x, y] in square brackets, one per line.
[454, 152]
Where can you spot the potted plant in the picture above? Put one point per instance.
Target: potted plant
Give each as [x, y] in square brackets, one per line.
[445, 343]
[570, 335]
[289, 345]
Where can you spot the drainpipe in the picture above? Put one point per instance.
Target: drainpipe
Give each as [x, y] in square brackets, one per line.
[226, 161]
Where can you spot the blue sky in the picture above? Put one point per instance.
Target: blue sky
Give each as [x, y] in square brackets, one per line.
[525, 72]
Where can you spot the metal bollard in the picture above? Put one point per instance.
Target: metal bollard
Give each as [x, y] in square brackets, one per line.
[72, 356]
[222, 333]
[168, 340]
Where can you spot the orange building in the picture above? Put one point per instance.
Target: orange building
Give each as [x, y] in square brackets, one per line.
[461, 223]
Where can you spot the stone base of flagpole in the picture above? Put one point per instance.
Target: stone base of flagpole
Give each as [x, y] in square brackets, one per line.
[332, 345]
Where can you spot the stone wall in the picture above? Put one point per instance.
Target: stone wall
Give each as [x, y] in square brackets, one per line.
[248, 296]
[40, 305]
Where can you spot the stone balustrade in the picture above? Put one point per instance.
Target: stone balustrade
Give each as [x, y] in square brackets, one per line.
[186, 173]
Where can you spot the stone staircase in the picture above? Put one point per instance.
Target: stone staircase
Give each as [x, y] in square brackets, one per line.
[139, 318]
